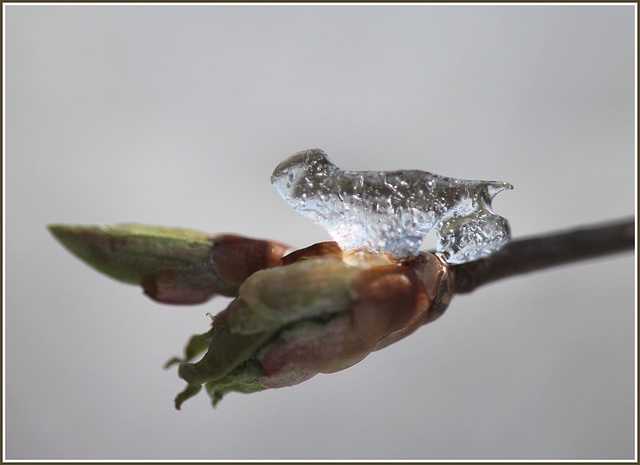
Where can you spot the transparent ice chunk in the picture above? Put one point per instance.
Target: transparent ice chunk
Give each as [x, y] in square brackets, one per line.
[391, 212]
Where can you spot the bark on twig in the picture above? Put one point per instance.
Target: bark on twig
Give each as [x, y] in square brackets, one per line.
[536, 253]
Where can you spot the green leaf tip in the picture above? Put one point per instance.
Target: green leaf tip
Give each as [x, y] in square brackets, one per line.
[128, 252]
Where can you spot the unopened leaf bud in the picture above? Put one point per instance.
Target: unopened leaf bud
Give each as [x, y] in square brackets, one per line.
[317, 314]
[173, 265]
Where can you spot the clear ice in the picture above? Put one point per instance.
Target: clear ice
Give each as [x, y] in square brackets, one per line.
[391, 212]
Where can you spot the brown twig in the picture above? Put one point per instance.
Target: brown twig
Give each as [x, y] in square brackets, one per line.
[536, 253]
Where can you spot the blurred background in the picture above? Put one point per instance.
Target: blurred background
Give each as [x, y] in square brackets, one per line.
[176, 115]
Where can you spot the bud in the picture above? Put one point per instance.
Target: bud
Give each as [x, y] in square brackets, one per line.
[317, 314]
[173, 265]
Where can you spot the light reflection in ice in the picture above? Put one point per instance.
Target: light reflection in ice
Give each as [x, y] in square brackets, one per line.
[391, 212]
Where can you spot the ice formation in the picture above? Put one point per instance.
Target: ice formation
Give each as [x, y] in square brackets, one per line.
[391, 212]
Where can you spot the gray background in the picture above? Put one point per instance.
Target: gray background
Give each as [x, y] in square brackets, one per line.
[176, 116]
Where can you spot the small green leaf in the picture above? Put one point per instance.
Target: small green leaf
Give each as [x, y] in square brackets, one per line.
[245, 379]
[226, 351]
[197, 344]
[188, 392]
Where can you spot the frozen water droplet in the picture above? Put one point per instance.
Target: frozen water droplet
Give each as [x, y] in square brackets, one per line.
[391, 212]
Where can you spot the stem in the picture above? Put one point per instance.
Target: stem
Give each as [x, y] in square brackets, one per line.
[537, 253]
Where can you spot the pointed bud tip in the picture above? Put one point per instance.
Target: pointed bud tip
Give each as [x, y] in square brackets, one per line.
[128, 252]
[60, 231]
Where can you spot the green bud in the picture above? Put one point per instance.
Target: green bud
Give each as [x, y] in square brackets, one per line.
[278, 296]
[128, 252]
[173, 265]
[315, 315]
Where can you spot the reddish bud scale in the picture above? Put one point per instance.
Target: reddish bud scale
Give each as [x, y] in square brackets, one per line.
[235, 258]
[387, 298]
[323, 348]
[437, 282]
[320, 249]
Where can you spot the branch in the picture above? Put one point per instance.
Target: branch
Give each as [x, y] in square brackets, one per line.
[537, 253]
